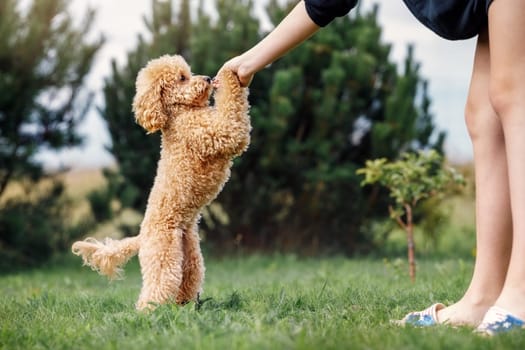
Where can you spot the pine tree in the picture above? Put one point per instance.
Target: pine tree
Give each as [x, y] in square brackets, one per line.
[329, 105]
[44, 60]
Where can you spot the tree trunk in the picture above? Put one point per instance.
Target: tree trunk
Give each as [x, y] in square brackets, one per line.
[409, 228]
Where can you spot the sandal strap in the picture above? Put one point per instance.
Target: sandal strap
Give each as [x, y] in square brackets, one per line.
[498, 320]
[424, 318]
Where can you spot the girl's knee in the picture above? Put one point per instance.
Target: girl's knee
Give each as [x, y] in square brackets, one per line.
[480, 118]
[507, 97]
[471, 109]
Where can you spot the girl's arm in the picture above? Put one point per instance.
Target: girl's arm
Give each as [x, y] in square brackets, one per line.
[295, 28]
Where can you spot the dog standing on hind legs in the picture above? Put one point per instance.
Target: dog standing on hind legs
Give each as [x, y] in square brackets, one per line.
[198, 144]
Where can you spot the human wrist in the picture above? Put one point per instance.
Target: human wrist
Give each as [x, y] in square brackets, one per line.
[250, 64]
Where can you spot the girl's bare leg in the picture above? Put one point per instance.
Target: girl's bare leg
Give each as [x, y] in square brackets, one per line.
[507, 92]
[493, 212]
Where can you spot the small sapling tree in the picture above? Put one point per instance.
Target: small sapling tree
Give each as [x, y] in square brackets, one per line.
[411, 179]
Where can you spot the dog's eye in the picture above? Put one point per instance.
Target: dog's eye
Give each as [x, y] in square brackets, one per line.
[182, 78]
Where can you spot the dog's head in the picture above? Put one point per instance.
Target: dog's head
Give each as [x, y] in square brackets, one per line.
[165, 82]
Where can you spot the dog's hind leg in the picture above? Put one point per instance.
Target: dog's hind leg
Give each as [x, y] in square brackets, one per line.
[192, 267]
[160, 257]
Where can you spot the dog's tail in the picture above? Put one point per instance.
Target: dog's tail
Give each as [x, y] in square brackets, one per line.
[108, 257]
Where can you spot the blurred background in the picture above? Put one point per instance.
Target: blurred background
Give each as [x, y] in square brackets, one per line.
[372, 84]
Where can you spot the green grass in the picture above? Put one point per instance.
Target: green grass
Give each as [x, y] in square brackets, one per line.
[258, 302]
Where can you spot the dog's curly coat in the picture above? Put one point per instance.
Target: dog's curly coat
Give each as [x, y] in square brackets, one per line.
[198, 144]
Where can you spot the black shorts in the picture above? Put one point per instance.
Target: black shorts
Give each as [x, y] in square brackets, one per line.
[452, 19]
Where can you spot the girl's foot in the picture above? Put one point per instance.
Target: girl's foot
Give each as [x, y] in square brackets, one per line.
[463, 313]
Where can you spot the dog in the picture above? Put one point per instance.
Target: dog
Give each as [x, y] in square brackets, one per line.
[198, 144]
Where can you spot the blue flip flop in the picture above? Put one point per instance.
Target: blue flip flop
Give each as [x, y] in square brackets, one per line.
[425, 318]
[497, 321]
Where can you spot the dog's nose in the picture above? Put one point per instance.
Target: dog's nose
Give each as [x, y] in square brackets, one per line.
[208, 79]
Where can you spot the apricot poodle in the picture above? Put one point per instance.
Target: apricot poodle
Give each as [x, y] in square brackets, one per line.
[199, 142]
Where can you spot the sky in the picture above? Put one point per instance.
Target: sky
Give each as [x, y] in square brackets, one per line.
[445, 64]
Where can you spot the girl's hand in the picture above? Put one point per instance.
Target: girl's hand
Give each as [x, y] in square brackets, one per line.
[241, 68]
[295, 28]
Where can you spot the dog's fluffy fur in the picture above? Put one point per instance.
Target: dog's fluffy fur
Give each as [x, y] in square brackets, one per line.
[198, 145]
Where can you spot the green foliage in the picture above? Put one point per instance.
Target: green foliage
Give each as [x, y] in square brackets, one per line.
[406, 125]
[136, 153]
[273, 302]
[102, 200]
[409, 180]
[34, 228]
[317, 114]
[100, 203]
[412, 178]
[44, 60]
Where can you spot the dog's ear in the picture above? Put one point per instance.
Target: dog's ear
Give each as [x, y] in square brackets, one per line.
[147, 103]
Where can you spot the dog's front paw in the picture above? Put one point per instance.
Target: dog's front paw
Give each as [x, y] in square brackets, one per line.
[227, 79]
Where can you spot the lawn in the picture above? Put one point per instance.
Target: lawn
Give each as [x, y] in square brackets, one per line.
[254, 302]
